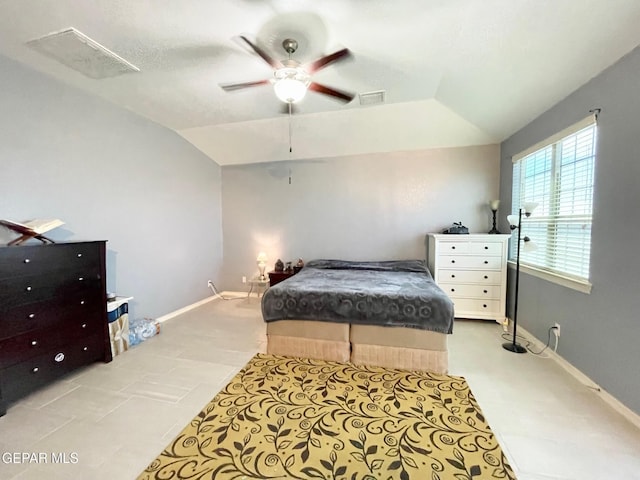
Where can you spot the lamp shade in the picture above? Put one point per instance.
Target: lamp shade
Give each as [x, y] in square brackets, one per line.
[262, 257]
[513, 220]
[529, 207]
[494, 204]
[290, 90]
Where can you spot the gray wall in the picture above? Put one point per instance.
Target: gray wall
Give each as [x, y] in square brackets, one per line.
[358, 207]
[111, 175]
[600, 331]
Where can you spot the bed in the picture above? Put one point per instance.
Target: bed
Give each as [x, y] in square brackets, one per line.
[389, 314]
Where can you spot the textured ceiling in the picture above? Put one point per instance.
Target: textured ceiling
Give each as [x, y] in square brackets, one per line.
[455, 72]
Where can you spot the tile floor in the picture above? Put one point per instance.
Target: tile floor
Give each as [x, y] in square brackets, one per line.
[108, 421]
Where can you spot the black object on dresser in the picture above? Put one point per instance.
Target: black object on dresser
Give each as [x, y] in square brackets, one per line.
[53, 316]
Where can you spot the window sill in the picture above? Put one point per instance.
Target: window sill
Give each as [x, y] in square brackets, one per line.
[580, 286]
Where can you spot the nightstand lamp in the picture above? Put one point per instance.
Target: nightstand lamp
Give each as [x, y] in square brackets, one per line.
[262, 264]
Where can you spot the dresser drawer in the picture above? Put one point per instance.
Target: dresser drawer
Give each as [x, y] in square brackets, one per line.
[473, 291]
[473, 307]
[486, 248]
[36, 288]
[19, 379]
[31, 344]
[39, 259]
[52, 312]
[456, 246]
[468, 261]
[485, 277]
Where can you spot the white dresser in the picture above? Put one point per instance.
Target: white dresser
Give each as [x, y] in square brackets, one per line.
[472, 270]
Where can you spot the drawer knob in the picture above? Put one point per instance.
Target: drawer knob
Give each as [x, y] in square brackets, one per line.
[79, 255]
[34, 343]
[26, 260]
[84, 325]
[35, 370]
[453, 289]
[453, 276]
[486, 261]
[81, 302]
[80, 278]
[453, 247]
[28, 288]
[59, 357]
[486, 248]
[453, 261]
[484, 305]
[32, 315]
[485, 291]
[486, 276]
[84, 349]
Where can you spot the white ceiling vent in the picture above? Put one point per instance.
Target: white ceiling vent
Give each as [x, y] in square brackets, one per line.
[75, 50]
[372, 98]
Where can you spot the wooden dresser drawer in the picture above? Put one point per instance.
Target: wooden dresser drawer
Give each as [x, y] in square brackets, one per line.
[41, 259]
[487, 248]
[472, 306]
[473, 291]
[53, 311]
[31, 344]
[485, 277]
[468, 261]
[21, 378]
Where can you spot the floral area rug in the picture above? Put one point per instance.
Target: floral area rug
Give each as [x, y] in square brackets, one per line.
[292, 418]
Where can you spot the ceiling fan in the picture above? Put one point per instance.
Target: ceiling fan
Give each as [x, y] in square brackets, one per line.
[291, 80]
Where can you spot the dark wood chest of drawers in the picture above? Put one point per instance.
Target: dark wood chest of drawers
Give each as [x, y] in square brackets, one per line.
[53, 315]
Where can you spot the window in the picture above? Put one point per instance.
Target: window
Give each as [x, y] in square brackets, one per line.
[558, 175]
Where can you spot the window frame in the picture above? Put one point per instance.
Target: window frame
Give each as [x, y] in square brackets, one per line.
[557, 276]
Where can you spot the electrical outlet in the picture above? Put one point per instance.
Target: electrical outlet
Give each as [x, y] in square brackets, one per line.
[244, 279]
[556, 329]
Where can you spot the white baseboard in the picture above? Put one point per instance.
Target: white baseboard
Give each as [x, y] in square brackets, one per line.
[226, 294]
[585, 380]
[175, 313]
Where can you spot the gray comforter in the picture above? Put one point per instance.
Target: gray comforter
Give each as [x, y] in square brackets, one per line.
[394, 293]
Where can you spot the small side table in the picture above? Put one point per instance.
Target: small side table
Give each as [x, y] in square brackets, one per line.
[260, 286]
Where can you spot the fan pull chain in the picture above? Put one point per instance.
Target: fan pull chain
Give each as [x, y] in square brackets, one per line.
[290, 147]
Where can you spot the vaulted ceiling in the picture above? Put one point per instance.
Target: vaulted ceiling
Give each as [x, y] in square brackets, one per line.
[454, 72]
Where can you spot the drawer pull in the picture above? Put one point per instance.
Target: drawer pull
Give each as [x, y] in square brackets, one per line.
[484, 305]
[34, 343]
[485, 291]
[84, 325]
[486, 276]
[32, 315]
[453, 261]
[81, 279]
[81, 302]
[453, 247]
[486, 248]
[59, 357]
[28, 288]
[453, 289]
[79, 255]
[35, 370]
[26, 260]
[84, 349]
[453, 276]
[486, 261]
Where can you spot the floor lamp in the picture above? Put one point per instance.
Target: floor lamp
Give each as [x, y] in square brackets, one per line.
[515, 222]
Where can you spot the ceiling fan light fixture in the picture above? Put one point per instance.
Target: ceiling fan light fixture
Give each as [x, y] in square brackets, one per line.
[291, 84]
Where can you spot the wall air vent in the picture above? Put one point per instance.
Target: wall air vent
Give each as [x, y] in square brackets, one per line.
[372, 98]
[77, 51]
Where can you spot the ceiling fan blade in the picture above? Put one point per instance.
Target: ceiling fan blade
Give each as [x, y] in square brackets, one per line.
[230, 87]
[332, 92]
[326, 60]
[265, 56]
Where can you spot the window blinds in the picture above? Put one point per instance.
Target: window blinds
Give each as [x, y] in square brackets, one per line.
[558, 175]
